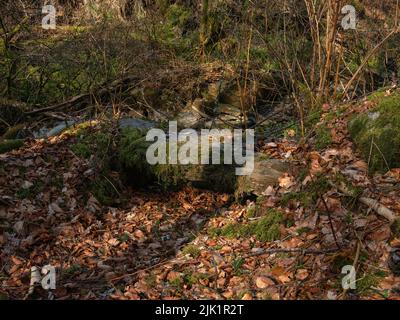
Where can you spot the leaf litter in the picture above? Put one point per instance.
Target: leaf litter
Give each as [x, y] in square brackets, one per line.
[196, 244]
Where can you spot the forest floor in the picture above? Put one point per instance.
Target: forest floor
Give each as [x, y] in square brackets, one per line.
[196, 244]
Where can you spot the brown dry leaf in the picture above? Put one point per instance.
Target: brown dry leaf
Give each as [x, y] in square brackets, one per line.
[269, 191]
[292, 243]
[302, 274]
[286, 181]
[395, 173]
[225, 249]
[172, 275]
[291, 133]
[381, 234]
[334, 204]
[263, 282]
[113, 242]
[228, 294]
[361, 165]
[54, 208]
[315, 166]
[138, 234]
[284, 278]
[247, 296]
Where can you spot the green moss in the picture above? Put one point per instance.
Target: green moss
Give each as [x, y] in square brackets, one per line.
[92, 143]
[72, 270]
[367, 281]
[9, 145]
[80, 128]
[192, 250]
[176, 283]
[81, 150]
[360, 9]
[151, 280]
[124, 237]
[323, 137]
[13, 132]
[178, 15]
[304, 198]
[310, 194]
[98, 144]
[251, 211]
[132, 149]
[354, 192]
[266, 229]
[302, 230]
[192, 278]
[377, 134]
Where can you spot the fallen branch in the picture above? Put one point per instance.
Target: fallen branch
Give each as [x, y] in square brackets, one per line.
[371, 203]
[378, 208]
[85, 98]
[293, 250]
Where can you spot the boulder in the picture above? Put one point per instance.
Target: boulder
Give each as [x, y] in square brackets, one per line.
[377, 132]
[136, 124]
[266, 173]
[194, 115]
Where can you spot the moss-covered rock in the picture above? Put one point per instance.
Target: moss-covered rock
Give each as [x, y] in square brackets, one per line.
[377, 133]
[9, 145]
[13, 132]
[132, 157]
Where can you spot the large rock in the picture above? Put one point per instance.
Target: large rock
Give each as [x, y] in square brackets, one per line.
[377, 133]
[136, 124]
[194, 115]
[266, 173]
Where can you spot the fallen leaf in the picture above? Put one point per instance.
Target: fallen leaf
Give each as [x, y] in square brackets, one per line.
[247, 296]
[301, 274]
[263, 282]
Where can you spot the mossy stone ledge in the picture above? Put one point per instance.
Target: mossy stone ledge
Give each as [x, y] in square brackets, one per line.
[377, 133]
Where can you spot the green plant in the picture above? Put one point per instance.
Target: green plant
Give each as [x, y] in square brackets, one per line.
[192, 250]
[302, 230]
[368, 281]
[237, 265]
[323, 137]
[266, 229]
[124, 237]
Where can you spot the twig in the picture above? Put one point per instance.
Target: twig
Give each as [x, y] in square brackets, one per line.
[371, 203]
[293, 250]
[369, 55]
[330, 221]
[357, 256]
